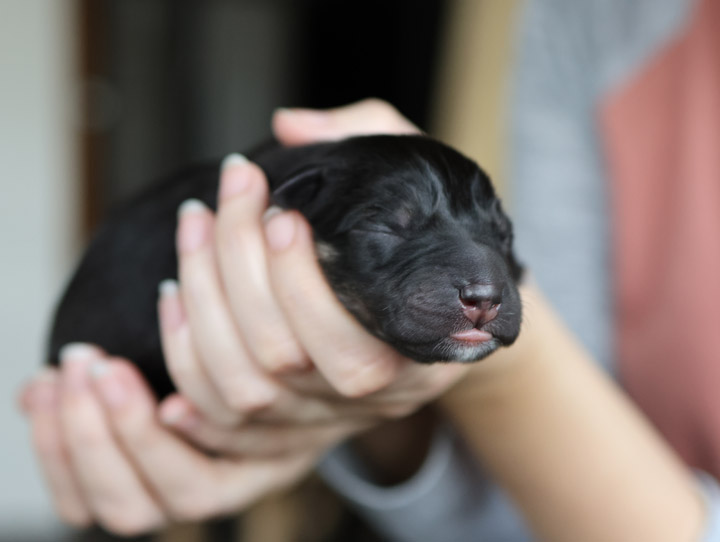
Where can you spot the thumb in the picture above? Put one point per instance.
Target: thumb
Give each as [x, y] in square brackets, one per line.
[369, 116]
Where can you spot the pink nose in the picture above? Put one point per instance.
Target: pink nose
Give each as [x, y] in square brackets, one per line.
[480, 303]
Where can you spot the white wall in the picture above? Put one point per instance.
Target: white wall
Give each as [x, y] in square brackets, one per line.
[38, 225]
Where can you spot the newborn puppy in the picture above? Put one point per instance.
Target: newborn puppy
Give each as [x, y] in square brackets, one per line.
[409, 233]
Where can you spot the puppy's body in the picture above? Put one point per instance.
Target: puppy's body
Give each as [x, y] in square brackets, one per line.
[411, 237]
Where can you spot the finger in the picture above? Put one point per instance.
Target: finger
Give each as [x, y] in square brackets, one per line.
[41, 400]
[177, 411]
[269, 441]
[191, 485]
[187, 482]
[111, 486]
[417, 383]
[242, 386]
[248, 481]
[370, 116]
[257, 439]
[182, 361]
[354, 362]
[240, 247]
[26, 392]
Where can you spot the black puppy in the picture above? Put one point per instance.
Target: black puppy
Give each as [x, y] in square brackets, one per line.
[410, 236]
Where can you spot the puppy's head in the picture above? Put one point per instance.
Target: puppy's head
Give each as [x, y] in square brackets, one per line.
[413, 240]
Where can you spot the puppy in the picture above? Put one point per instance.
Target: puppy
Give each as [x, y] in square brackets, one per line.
[410, 235]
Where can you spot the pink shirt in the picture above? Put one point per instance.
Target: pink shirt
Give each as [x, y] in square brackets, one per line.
[661, 132]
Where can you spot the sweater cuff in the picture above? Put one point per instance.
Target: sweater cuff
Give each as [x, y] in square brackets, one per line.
[710, 491]
[447, 500]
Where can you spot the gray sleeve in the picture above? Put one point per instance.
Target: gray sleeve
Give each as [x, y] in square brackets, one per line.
[557, 186]
[710, 491]
[570, 54]
[448, 500]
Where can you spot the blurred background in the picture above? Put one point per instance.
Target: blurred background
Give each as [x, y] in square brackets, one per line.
[100, 97]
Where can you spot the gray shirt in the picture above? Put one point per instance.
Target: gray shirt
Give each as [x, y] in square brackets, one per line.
[570, 52]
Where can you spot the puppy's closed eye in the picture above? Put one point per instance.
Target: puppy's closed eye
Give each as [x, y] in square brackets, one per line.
[379, 242]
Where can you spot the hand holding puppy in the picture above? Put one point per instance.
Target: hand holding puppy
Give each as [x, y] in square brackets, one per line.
[270, 367]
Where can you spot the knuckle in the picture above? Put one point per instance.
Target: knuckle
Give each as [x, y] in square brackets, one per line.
[135, 426]
[381, 108]
[279, 358]
[210, 441]
[47, 446]
[365, 378]
[75, 516]
[181, 371]
[355, 388]
[231, 232]
[270, 443]
[132, 529]
[87, 437]
[130, 524]
[239, 401]
[137, 432]
[195, 283]
[191, 507]
[233, 396]
[398, 411]
[244, 393]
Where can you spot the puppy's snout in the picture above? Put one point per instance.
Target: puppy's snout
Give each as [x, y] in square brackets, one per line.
[480, 302]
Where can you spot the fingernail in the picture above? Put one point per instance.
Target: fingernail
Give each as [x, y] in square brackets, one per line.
[168, 287]
[191, 206]
[112, 390]
[233, 181]
[170, 308]
[77, 352]
[99, 369]
[233, 159]
[76, 359]
[260, 396]
[280, 231]
[271, 212]
[193, 228]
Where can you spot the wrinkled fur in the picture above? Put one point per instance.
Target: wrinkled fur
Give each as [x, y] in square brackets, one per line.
[402, 223]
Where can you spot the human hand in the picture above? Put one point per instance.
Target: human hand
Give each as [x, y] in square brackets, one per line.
[272, 312]
[239, 347]
[366, 117]
[107, 459]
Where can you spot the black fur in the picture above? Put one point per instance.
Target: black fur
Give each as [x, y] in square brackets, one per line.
[403, 224]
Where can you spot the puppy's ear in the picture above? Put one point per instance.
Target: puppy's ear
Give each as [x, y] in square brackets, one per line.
[298, 176]
[302, 191]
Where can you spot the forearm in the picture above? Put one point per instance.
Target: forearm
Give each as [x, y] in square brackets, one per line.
[577, 457]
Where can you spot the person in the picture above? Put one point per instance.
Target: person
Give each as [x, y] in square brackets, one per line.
[574, 455]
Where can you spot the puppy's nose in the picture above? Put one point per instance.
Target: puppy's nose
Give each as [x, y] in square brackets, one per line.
[480, 302]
